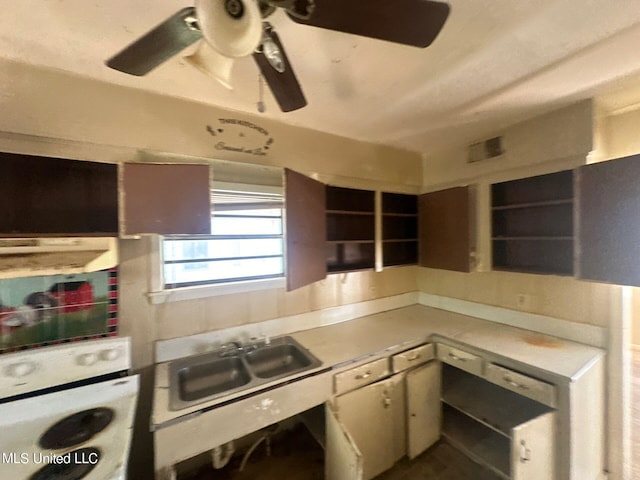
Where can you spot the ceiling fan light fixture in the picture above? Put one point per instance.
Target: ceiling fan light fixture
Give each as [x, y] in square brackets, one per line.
[231, 27]
[273, 54]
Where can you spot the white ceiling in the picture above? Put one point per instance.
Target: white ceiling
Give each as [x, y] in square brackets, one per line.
[495, 62]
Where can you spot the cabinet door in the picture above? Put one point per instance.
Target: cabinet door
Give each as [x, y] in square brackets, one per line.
[446, 229]
[306, 230]
[343, 460]
[532, 449]
[42, 196]
[424, 415]
[608, 230]
[367, 415]
[165, 199]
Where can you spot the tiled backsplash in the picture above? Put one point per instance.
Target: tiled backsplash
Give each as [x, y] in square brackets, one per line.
[46, 310]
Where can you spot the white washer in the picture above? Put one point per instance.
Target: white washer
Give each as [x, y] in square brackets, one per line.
[67, 411]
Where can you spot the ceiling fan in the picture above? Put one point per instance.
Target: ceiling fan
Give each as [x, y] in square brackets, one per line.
[238, 28]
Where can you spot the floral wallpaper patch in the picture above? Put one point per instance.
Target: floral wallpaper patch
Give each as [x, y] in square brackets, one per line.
[46, 310]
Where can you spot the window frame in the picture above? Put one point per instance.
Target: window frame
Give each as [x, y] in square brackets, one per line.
[160, 294]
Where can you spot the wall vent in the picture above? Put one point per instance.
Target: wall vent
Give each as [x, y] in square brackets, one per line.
[485, 150]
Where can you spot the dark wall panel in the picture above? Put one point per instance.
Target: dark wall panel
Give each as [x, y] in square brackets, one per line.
[53, 196]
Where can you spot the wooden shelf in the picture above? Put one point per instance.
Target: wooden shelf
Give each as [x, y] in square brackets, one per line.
[493, 406]
[532, 224]
[350, 215]
[348, 212]
[406, 215]
[336, 242]
[480, 443]
[551, 238]
[347, 269]
[399, 240]
[399, 229]
[547, 203]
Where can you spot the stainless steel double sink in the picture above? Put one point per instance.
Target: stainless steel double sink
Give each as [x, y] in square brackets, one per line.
[200, 378]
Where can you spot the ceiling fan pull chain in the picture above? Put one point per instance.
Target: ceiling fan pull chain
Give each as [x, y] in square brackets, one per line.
[260, 105]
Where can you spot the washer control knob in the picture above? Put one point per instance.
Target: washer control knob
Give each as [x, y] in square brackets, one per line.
[87, 359]
[22, 369]
[109, 354]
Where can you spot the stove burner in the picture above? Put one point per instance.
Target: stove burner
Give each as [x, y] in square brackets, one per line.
[81, 462]
[76, 429]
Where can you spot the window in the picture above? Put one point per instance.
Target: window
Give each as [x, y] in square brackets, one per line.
[246, 241]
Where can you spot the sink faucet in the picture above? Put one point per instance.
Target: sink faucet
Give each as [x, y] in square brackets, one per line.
[230, 348]
[257, 342]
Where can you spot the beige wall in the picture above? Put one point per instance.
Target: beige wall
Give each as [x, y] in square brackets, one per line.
[555, 141]
[51, 113]
[47, 103]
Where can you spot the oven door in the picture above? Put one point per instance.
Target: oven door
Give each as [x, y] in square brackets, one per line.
[82, 432]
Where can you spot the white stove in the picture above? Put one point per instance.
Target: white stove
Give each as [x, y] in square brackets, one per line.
[67, 412]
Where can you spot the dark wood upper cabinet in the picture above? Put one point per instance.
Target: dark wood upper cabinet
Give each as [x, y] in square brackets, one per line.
[42, 196]
[165, 199]
[306, 233]
[350, 236]
[608, 227]
[399, 229]
[532, 224]
[446, 229]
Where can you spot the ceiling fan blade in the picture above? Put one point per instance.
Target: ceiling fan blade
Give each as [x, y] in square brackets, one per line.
[158, 45]
[284, 85]
[410, 22]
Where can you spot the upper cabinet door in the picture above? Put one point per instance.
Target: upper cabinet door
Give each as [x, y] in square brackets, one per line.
[42, 196]
[608, 229]
[165, 199]
[446, 229]
[306, 234]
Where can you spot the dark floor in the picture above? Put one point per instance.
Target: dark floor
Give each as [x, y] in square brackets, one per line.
[635, 405]
[296, 456]
[440, 462]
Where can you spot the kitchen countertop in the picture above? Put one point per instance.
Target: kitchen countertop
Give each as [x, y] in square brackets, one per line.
[356, 340]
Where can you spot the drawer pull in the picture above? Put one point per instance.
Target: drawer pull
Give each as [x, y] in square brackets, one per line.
[415, 356]
[507, 379]
[363, 376]
[525, 453]
[455, 357]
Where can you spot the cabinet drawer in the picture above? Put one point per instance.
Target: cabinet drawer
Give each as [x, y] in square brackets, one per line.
[459, 358]
[362, 375]
[522, 384]
[412, 358]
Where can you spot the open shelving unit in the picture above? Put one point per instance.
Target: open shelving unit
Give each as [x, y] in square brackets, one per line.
[350, 229]
[532, 224]
[484, 421]
[399, 229]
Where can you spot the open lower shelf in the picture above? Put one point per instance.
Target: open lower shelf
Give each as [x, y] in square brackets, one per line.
[480, 443]
[314, 420]
[493, 406]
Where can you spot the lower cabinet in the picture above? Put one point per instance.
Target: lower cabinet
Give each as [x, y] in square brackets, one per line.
[371, 428]
[424, 416]
[508, 433]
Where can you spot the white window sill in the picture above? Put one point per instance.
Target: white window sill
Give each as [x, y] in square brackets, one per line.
[204, 291]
